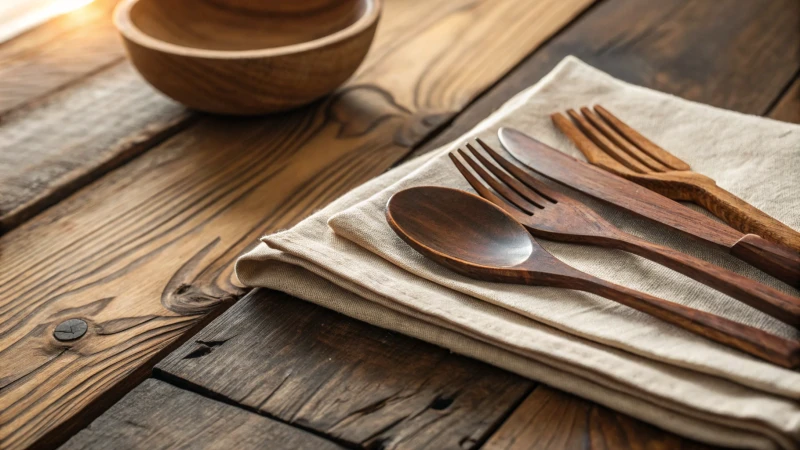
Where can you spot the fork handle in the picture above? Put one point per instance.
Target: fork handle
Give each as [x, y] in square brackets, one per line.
[765, 298]
[776, 260]
[743, 216]
[772, 348]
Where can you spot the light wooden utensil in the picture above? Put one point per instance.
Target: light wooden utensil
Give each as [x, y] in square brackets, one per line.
[552, 215]
[609, 143]
[246, 57]
[474, 237]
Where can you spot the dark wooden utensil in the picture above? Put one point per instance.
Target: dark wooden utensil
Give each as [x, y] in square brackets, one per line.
[478, 239]
[609, 143]
[555, 216]
[779, 261]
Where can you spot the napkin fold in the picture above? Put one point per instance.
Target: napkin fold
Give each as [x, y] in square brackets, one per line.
[345, 257]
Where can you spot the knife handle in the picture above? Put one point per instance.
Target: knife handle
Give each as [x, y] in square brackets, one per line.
[775, 349]
[774, 259]
[743, 216]
[777, 304]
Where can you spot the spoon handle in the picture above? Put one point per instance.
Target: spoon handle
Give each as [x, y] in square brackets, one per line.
[775, 349]
[765, 298]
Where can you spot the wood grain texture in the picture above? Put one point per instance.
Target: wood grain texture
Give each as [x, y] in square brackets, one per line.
[748, 51]
[552, 215]
[56, 54]
[156, 415]
[599, 134]
[144, 253]
[487, 241]
[229, 59]
[781, 262]
[787, 108]
[553, 420]
[359, 384]
[765, 33]
[50, 149]
[71, 110]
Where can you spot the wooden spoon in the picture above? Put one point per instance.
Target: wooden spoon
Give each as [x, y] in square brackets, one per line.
[476, 238]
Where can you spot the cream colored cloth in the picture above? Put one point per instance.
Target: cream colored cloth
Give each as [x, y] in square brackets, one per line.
[346, 258]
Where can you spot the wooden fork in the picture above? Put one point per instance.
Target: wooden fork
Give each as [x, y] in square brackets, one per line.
[609, 143]
[552, 215]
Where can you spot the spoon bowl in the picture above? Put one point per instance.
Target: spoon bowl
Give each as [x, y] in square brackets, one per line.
[449, 224]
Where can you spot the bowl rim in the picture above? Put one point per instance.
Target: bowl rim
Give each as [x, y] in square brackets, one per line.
[126, 27]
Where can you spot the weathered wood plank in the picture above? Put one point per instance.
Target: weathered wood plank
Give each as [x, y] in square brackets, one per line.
[553, 420]
[51, 149]
[730, 54]
[787, 108]
[157, 415]
[144, 253]
[357, 383]
[71, 109]
[57, 53]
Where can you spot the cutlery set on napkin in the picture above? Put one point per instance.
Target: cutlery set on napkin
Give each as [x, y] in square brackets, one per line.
[585, 276]
[488, 240]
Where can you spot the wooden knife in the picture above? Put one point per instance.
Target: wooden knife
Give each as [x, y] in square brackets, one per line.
[774, 259]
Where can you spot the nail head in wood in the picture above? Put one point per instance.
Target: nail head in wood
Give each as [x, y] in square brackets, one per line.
[70, 330]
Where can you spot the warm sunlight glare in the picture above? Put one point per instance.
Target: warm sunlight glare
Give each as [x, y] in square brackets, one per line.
[17, 16]
[65, 6]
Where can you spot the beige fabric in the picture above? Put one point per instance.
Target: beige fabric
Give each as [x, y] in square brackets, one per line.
[346, 258]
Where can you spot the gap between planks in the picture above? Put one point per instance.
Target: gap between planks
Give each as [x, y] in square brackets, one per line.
[158, 415]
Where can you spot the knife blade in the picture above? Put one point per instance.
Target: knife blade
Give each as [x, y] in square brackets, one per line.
[596, 182]
[774, 259]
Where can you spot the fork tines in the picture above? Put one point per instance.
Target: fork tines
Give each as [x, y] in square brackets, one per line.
[515, 186]
[613, 144]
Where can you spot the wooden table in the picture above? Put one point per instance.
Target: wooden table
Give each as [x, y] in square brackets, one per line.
[123, 209]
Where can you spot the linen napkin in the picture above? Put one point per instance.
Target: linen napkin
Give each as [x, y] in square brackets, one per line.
[345, 257]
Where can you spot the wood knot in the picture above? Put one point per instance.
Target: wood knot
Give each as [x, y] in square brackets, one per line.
[204, 348]
[359, 109]
[182, 289]
[189, 300]
[420, 125]
[440, 403]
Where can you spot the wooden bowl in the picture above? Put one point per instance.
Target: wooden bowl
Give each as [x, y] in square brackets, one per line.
[246, 57]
